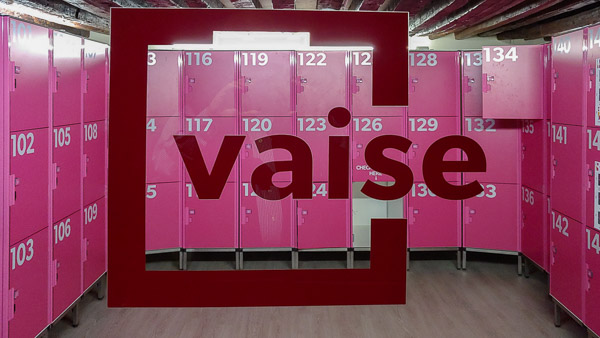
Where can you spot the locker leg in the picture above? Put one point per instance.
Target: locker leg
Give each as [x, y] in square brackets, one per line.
[458, 260]
[407, 260]
[75, 315]
[464, 260]
[45, 333]
[526, 268]
[557, 314]
[519, 265]
[101, 288]
[183, 259]
[294, 259]
[238, 254]
[350, 259]
[241, 261]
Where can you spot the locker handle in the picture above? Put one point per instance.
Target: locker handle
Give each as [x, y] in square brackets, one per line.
[300, 218]
[299, 81]
[354, 83]
[84, 82]
[554, 77]
[12, 191]
[55, 76]
[11, 303]
[356, 146]
[84, 249]
[244, 218]
[187, 219]
[54, 273]
[466, 82]
[54, 180]
[468, 218]
[485, 86]
[84, 165]
[245, 81]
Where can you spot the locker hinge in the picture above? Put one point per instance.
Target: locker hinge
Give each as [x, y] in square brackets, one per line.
[55, 76]
[84, 81]
[84, 249]
[12, 191]
[54, 273]
[12, 294]
[85, 160]
[54, 179]
[13, 78]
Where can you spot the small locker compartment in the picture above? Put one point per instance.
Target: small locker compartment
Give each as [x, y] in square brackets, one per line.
[163, 215]
[95, 88]
[65, 267]
[534, 228]
[163, 83]
[94, 241]
[471, 83]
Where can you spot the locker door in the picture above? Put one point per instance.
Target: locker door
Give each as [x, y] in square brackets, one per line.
[513, 82]
[66, 263]
[491, 219]
[433, 221]
[266, 82]
[438, 74]
[94, 152]
[210, 83]
[96, 72]
[29, 71]
[163, 216]
[533, 154]
[28, 289]
[162, 156]
[592, 294]
[361, 87]
[323, 222]
[567, 171]
[163, 83]
[533, 226]
[592, 203]
[67, 80]
[28, 196]
[499, 140]
[94, 241]
[471, 84]
[265, 223]
[566, 262]
[255, 128]
[568, 78]
[315, 131]
[66, 158]
[209, 132]
[364, 129]
[321, 82]
[423, 132]
[593, 62]
[211, 223]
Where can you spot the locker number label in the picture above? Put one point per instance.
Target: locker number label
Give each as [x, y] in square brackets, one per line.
[62, 230]
[422, 124]
[312, 124]
[319, 190]
[22, 144]
[563, 45]
[312, 59]
[593, 242]
[478, 124]
[497, 54]
[593, 141]
[20, 31]
[198, 59]
[90, 213]
[423, 59]
[560, 223]
[62, 137]
[257, 124]
[367, 124]
[559, 134]
[527, 195]
[594, 38]
[362, 58]
[473, 59]
[528, 127]
[151, 59]
[489, 191]
[91, 131]
[22, 253]
[151, 191]
[255, 59]
[423, 190]
[198, 124]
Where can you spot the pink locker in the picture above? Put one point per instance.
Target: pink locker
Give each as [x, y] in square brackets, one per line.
[593, 63]
[569, 74]
[513, 82]
[94, 161]
[65, 277]
[95, 66]
[94, 241]
[315, 131]
[534, 228]
[163, 83]
[66, 170]
[534, 155]
[321, 82]
[267, 83]
[211, 223]
[500, 142]
[592, 285]
[163, 230]
[433, 221]
[361, 87]
[434, 72]
[424, 131]
[209, 132]
[28, 296]
[29, 51]
[67, 79]
[592, 168]
[566, 262]
[471, 84]
[255, 128]
[491, 219]
[567, 172]
[28, 194]
[364, 129]
[323, 222]
[162, 156]
[264, 223]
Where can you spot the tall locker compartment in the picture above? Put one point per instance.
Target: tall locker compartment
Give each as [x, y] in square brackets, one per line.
[210, 114]
[95, 146]
[322, 84]
[265, 224]
[568, 176]
[27, 213]
[433, 222]
[66, 179]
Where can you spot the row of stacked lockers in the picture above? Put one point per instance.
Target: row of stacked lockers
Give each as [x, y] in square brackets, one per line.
[54, 104]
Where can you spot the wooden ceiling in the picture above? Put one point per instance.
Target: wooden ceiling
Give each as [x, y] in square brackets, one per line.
[506, 19]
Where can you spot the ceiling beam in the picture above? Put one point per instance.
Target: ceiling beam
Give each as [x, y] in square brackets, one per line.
[389, 5]
[86, 6]
[131, 3]
[355, 5]
[303, 4]
[257, 4]
[52, 25]
[505, 18]
[370, 5]
[435, 13]
[555, 27]
[565, 7]
[465, 10]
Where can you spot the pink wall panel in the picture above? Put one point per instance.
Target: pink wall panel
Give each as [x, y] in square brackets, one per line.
[67, 80]
[264, 223]
[94, 241]
[534, 228]
[513, 82]
[438, 73]
[321, 82]
[66, 163]
[211, 223]
[95, 98]
[534, 154]
[592, 282]
[266, 74]
[163, 218]
[94, 157]
[491, 219]
[162, 156]
[66, 263]
[432, 221]
[29, 171]
[210, 83]
[163, 83]
[566, 262]
[471, 84]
